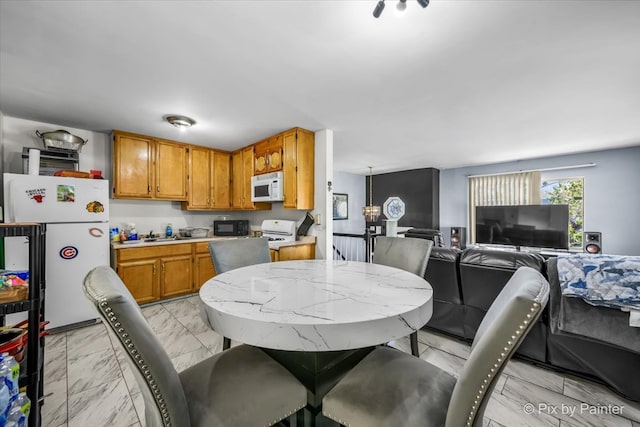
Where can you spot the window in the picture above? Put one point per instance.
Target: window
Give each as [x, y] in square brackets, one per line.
[527, 188]
[567, 191]
[520, 188]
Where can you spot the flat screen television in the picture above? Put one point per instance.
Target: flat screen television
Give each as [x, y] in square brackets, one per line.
[536, 226]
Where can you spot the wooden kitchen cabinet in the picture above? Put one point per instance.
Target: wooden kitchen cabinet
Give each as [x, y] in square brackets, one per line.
[175, 277]
[152, 273]
[209, 179]
[171, 170]
[290, 253]
[268, 155]
[242, 171]
[141, 278]
[133, 172]
[298, 169]
[203, 269]
[148, 168]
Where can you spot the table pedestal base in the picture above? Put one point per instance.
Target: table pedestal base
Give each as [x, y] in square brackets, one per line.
[318, 372]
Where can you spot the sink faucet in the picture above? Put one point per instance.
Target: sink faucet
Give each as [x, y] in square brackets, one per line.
[151, 235]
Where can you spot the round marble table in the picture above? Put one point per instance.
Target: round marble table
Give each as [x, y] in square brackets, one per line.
[316, 305]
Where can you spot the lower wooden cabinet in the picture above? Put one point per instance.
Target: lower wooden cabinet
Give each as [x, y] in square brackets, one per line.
[202, 265]
[155, 272]
[175, 276]
[290, 253]
[141, 279]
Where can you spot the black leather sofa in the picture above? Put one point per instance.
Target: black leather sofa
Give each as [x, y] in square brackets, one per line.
[465, 283]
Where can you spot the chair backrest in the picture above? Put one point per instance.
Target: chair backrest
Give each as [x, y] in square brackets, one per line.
[503, 328]
[405, 253]
[164, 399]
[230, 254]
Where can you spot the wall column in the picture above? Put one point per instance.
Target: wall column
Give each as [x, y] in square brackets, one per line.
[323, 193]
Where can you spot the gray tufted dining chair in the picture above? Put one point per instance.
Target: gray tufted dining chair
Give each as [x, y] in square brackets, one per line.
[389, 387]
[409, 254]
[227, 389]
[230, 254]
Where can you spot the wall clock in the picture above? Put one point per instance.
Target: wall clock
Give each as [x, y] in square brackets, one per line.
[393, 208]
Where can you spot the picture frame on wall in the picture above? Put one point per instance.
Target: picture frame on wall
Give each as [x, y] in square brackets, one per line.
[340, 206]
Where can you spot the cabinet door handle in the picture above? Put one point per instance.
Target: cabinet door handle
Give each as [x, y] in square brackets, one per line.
[158, 189]
[148, 189]
[163, 269]
[154, 269]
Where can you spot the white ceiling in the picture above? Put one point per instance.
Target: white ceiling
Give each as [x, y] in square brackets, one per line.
[456, 84]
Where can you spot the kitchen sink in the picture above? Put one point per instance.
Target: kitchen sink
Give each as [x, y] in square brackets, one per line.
[165, 239]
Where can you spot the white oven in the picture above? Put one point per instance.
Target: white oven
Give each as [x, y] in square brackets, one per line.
[267, 187]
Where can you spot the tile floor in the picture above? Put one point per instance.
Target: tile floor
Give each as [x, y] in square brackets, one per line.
[87, 382]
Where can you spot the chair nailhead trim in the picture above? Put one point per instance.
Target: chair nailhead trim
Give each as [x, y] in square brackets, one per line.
[285, 416]
[521, 327]
[135, 354]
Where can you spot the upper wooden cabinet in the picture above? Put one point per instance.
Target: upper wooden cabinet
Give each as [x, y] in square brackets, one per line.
[268, 155]
[148, 168]
[209, 179]
[242, 171]
[298, 169]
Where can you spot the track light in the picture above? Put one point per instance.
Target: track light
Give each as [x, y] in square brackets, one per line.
[378, 10]
[402, 5]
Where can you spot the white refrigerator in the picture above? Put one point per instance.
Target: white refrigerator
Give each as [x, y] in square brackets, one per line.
[76, 213]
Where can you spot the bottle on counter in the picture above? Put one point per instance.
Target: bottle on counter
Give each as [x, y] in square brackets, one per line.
[115, 234]
[169, 231]
[133, 234]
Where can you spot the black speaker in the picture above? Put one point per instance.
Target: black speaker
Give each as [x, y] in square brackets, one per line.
[592, 242]
[458, 237]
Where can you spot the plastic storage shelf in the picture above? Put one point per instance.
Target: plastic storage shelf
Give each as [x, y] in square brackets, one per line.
[34, 305]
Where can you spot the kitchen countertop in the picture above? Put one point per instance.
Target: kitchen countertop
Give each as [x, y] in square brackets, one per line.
[303, 240]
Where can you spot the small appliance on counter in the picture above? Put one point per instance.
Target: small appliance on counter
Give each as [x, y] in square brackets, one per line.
[279, 230]
[231, 227]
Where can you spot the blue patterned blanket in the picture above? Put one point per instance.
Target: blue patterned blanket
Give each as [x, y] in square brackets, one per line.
[604, 280]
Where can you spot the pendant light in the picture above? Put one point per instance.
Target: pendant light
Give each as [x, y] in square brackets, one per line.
[371, 213]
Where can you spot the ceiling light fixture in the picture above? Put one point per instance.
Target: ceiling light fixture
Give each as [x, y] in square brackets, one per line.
[402, 5]
[378, 10]
[371, 213]
[181, 122]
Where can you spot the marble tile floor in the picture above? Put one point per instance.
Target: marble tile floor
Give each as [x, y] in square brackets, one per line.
[87, 381]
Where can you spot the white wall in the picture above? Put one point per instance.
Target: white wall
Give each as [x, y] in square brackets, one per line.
[611, 194]
[1, 162]
[354, 186]
[322, 195]
[20, 133]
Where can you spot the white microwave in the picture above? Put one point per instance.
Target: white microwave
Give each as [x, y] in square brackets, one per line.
[267, 187]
